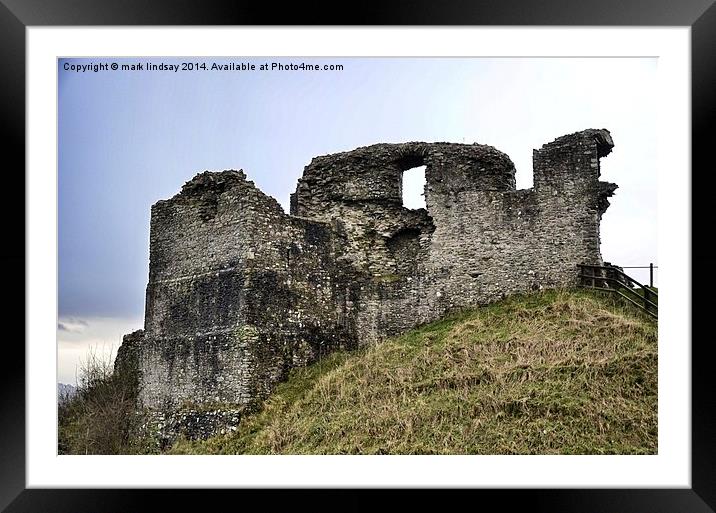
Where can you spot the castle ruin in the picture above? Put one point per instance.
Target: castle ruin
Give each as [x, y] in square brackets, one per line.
[240, 292]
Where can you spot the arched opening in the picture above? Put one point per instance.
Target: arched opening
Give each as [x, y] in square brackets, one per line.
[413, 188]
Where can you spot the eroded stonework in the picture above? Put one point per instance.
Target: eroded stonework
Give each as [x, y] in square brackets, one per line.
[240, 292]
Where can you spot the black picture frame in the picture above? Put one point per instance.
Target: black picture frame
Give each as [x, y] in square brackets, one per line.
[17, 15]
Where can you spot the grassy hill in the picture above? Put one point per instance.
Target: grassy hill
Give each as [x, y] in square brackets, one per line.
[550, 373]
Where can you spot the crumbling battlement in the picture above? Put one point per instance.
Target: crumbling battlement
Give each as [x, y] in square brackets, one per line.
[240, 292]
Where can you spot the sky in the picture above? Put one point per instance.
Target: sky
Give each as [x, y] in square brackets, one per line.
[130, 138]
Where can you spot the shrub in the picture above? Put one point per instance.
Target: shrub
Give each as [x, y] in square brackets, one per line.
[100, 418]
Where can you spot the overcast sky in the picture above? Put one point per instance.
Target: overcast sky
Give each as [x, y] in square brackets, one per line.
[129, 139]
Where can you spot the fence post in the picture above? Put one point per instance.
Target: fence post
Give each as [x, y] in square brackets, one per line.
[651, 274]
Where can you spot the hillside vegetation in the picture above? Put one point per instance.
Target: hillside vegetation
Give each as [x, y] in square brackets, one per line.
[99, 416]
[558, 372]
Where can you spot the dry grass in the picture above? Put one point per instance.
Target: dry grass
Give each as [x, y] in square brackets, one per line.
[550, 373]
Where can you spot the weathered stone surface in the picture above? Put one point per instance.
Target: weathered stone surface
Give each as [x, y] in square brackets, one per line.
[162, 428]
[240, 292]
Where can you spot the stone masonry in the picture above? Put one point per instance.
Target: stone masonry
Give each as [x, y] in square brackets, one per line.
[240, 292]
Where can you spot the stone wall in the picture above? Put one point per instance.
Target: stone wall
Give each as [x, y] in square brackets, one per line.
[479, 238]
[240, 292]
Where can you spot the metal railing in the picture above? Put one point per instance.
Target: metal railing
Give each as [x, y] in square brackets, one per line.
[613, 279]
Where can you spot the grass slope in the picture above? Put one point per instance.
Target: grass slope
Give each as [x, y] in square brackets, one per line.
[551, 373]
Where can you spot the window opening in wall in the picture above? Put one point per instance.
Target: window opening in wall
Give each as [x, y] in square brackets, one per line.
[414, 187]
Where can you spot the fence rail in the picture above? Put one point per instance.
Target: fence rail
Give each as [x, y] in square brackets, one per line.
[613, 279]
[651, 268]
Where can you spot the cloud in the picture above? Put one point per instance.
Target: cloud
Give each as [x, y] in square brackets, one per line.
[72, 325]
[78, 337]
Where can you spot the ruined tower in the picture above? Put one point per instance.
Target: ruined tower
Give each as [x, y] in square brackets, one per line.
[240, 292]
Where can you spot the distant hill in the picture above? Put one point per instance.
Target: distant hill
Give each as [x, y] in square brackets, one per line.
[549, 373]
[65, 392]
